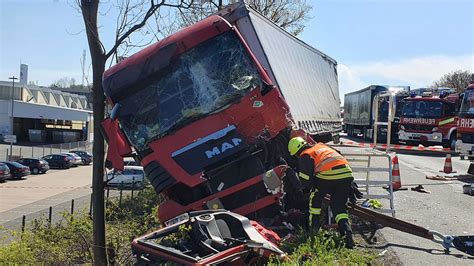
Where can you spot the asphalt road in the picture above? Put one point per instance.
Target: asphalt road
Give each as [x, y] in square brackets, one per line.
[446, 209]
[37, 192]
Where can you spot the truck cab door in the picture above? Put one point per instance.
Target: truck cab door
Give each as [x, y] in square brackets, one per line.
[118, 145]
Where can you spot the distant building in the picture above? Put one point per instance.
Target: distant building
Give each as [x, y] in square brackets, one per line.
[40, 114]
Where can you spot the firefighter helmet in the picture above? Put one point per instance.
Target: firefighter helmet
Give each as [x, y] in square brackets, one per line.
[295, 145]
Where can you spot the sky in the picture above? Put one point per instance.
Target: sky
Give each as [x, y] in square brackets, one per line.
[387, 42]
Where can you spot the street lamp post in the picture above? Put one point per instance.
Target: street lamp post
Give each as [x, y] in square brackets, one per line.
[13, 78]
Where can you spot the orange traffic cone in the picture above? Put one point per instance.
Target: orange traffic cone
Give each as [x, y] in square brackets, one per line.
[448, 166]
[396, 181]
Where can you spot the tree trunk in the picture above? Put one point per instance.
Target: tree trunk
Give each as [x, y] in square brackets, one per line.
[89, 13]
[98, 207]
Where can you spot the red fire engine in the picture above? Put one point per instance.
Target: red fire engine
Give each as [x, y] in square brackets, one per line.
[430, 119]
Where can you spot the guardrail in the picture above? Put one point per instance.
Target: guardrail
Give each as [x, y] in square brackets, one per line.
[40, 151]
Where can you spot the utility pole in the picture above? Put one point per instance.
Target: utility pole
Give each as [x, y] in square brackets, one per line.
[13, 78]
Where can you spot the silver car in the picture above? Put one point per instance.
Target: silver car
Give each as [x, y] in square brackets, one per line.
[74, 158]
[131, 176]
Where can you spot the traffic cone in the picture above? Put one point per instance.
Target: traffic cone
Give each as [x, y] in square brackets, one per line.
[396, 181]
[448, 166]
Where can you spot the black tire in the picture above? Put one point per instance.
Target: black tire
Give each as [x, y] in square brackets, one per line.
[35, 171]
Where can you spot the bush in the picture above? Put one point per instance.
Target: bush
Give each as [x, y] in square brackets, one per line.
[70, 240]
[67, 241]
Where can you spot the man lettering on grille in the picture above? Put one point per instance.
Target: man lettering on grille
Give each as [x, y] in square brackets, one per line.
[330, 174]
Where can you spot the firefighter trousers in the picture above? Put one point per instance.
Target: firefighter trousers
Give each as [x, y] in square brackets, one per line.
[339, 189]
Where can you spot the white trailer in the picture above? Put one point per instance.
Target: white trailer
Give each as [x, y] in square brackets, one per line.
[306, 77]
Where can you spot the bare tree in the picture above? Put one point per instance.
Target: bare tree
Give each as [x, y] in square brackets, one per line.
[64, 82]
[132, 17]
[458, 79]
[291, 15]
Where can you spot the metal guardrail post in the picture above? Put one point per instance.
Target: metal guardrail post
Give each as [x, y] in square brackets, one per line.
[121, 191]
[23, 222]
[90, 205]
[72, 209]
[368, 175]
[50, 215]
[133, 185]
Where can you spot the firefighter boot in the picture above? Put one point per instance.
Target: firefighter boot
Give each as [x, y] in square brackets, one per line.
[314, 224]
[346, 233]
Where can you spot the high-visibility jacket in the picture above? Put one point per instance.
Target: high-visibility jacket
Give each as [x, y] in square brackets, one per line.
[328, 163]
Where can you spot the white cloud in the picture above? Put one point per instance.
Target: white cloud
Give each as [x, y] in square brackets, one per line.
[414, 72]
[348, 80]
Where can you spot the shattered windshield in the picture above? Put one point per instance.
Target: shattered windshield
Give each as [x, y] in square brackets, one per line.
[202, 80]
[467, 105]
[424, 109]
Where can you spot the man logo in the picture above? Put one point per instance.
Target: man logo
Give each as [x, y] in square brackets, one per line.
[223, 147]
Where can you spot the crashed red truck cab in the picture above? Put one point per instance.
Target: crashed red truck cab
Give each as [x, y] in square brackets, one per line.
[429, 120]
[208, 122]
[196, 125]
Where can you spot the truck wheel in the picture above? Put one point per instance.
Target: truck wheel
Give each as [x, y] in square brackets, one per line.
[452, 141]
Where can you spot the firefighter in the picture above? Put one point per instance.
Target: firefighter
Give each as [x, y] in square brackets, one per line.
[327, 172]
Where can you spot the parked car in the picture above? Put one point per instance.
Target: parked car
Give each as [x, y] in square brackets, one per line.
[58, 160]
[131, 176]
[4, 172]
[36, 165]
[17, 170]
[75, 159]
[85, 156]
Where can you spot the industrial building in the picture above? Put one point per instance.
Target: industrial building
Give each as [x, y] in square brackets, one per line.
[38, 114]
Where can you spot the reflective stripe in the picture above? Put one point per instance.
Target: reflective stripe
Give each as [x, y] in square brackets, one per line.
[444, 122]
[343, 170]
[311, 196]
[324, 162]
[341, 216]
[334, 177]
[304, 176]
[315, 211]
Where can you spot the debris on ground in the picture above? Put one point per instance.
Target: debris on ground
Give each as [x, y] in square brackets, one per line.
[372, 203]
[450, 178]
[420, 189]
[468, 189]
